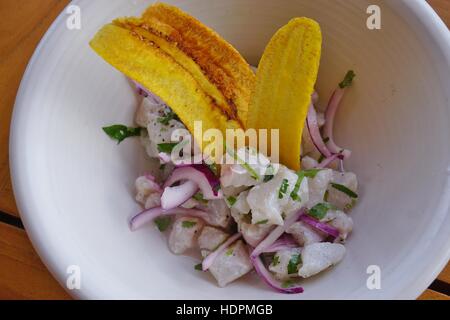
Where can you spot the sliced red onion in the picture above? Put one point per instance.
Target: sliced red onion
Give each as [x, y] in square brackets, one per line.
[320, 225]
[330, 114]
[147, 93]
[149, 215]
[276, 233]
[326, 162]
[164, 158]
[315, 98]
[268, 278]
[150, 177]
[209, 260]
[314, 132]
[199, 177]
[284, 243]
[173, 197]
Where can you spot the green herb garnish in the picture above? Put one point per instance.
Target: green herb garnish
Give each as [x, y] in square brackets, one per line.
[292, 267]
[167, 118]
[283, 188]
[262, 221]
[287, 284]
[120, 132]
[163, 223]
[345, 190]
[302, 174]
[199, 197]
[231, 200]
[167, 147]
[199, 267]
[229, 252]
[213, 167]
[276, 260]
[269, 174]
[325, 196]
[347, 80]
[350, 205]
[320, 210]
[245, 165]
[321, 158]
[188, 224]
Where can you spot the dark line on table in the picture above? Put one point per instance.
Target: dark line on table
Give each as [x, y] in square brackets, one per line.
[11, 220]
[441, 287]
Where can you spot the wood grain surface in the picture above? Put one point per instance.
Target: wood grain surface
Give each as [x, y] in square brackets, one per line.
[22, 274]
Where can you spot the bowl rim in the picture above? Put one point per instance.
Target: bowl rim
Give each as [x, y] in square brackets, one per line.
[430, 22]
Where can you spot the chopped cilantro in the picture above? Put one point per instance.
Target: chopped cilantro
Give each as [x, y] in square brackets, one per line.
[163, 223]
[231, 200]
[199, 197]
[213, 167]
[345, 190]
[120, 132]
[292, 267]
[269, 174]
[166, 147]
[319, 211]
[283, 188]
[199, 267]
[245, 165]
[287, 284]
[188, 224]
[167, 118]
[229, 252]
[347, 82]
[325, 196]
[350, 205]
[276, 260]
[262, 221]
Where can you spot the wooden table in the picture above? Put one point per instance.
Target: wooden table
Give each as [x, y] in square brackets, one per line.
[22, 274]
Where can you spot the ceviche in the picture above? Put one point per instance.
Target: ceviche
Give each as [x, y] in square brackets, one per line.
[286, 220]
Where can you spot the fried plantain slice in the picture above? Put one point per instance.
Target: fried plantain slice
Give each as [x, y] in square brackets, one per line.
[166, 40]
[219, 61]
[146, 63]
[285, 82]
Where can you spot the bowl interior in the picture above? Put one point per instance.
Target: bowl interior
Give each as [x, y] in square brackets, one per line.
[75, 187]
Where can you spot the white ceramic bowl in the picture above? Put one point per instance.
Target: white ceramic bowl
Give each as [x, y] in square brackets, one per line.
[74, 187]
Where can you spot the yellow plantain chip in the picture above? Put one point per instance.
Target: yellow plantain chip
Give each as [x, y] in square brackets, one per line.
[146, 63]
[219, 60]
[285, 82]
[153, 33]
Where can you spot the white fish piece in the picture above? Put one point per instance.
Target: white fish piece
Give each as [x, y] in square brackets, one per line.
[253, 234]
[308, 147]
[236, 175]
[268, 201]
[211, 238]
[309, 163]
[280, 263]
[184, 234]
[241, 204]
[146, 109]
[220, 214]
[304, 234]
[317, 257]
[146, 188]
[318, 186]
[338, 198]
[153, 200]
[232, 264]
[340, 221]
